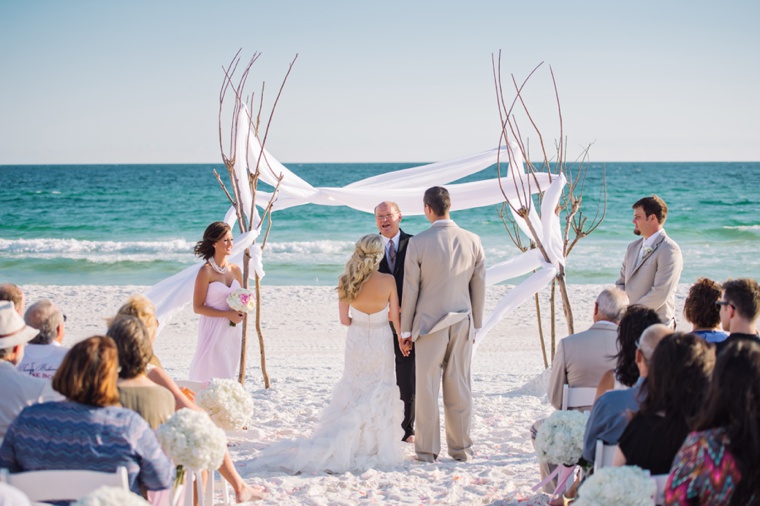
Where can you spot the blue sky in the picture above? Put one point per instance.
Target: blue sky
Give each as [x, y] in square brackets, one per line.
[138, 81]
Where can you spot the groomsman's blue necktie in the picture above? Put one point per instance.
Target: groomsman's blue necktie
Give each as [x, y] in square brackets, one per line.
[391, 255]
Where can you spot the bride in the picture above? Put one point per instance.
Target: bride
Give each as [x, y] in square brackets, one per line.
[219, 342]
[361, 427]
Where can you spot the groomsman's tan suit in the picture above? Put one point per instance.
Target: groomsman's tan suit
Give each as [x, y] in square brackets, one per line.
[444, 293]
[652, 282]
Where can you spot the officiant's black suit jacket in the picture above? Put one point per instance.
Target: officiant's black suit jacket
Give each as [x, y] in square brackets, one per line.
[399, 267]
[405, 376]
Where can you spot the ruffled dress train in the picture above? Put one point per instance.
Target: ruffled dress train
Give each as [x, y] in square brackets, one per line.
[361, 427]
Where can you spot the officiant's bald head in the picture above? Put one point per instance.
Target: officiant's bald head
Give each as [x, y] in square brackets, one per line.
[387, 218]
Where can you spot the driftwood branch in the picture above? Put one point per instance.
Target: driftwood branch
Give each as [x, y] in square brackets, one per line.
[250, 181]
[576, 223]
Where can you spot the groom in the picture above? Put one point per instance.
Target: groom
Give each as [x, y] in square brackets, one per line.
[444, 293]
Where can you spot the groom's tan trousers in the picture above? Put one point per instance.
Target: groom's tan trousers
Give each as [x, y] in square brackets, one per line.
[444, 357]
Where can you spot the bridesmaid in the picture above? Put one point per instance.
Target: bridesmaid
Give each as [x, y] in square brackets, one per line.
[219, 342]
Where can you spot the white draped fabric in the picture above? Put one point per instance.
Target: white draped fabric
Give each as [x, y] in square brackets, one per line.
[406, 188]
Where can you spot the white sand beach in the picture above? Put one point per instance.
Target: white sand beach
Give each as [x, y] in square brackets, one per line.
[304, 350]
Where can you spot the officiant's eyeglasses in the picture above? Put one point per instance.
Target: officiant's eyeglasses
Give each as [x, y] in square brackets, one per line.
[719, 303]
[384, 217]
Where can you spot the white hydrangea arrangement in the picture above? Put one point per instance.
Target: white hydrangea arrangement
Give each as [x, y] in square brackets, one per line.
[621, 486]
[227, 403]
[111, 496]
[192, 441]
[560, 438]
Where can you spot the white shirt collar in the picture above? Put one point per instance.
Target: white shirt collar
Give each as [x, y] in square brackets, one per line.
[396, 238]
[443, 221]
[648, 242]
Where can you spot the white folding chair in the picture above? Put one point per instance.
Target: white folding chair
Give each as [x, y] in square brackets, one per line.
[193, 385]
[603, 455]
[576, 397]
[197, 386]
[63, 484]
[661, 480]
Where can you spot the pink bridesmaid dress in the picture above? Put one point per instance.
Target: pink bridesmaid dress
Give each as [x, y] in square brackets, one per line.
[218, 353]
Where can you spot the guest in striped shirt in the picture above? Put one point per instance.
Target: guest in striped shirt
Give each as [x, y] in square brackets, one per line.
[88, 430]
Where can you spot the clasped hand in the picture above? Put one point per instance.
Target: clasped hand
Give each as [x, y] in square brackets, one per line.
[405, 345]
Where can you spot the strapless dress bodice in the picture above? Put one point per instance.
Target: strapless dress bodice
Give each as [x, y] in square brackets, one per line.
[378, 319]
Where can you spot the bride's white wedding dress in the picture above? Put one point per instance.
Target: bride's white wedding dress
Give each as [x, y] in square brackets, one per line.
[361, 427]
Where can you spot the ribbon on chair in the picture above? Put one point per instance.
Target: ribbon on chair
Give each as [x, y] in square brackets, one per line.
[564, 473]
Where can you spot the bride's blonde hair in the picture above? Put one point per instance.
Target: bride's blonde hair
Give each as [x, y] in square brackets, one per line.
[368, 252]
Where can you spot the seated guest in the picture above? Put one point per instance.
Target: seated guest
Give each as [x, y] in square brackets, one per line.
[143, 309]
[625, 374]
[44, 353]
[581, 359]
[12, 293]
[679, 375]
[612, 410]
[720, 462]
[700, 310]
[739, 310]
[89, 430]
[18, 389]
[136, 392]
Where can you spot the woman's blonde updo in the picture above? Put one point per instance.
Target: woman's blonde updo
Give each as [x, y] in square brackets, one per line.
[368, 252]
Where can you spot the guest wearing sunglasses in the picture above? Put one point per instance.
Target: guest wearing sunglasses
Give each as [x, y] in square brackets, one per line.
[739, 310]
[43, 354]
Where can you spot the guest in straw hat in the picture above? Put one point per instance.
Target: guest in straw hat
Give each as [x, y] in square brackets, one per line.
[19, 389]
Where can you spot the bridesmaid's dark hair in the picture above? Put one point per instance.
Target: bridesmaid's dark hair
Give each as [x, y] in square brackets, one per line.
[214, 232]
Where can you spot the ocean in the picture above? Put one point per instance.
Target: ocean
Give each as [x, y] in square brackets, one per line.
[137, 224]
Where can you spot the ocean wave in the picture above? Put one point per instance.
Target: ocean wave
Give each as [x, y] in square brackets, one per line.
[745, 228]
[99, 252]
[174, 250]
[63, 247]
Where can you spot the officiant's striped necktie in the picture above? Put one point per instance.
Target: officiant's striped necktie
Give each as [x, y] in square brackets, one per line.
[391, 255]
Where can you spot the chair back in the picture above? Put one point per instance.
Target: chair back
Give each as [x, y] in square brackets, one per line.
[195, 386]
[604, 455]
[63, 484]
[661, 480]
[576, 397]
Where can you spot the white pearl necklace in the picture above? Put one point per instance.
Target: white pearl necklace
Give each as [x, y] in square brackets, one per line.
[220, 270]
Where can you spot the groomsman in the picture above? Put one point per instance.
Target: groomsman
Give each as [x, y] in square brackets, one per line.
[388, 218]
[652, 265]
[444, 295]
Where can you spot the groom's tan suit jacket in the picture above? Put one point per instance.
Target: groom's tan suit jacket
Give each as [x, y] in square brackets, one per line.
[444, 280]
[652, 282]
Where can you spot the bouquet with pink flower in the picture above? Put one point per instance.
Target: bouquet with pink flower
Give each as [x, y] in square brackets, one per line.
[241, 300]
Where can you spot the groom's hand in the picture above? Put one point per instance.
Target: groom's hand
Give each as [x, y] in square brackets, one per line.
[405, 345]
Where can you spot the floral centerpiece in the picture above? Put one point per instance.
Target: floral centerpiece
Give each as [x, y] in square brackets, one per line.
[227, 403]
[111, 496]
[241, 300]
[559, 441]
[560, 438]
[193, 442]
[622, 486]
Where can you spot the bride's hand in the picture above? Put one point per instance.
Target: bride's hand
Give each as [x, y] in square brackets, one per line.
[234, 316]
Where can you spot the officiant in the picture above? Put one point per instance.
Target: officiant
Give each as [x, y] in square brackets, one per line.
[388, 218]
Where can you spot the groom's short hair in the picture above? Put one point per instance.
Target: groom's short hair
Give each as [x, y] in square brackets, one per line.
[437, 199]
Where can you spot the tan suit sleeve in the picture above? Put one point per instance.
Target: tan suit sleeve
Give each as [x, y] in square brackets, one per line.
[669, 267]
[558, 377]
[411, 286]
[478, 287]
